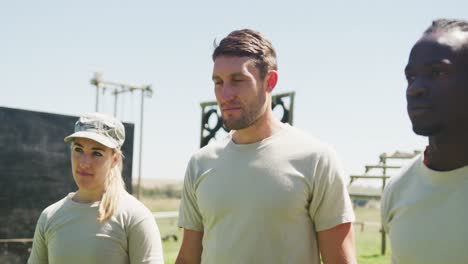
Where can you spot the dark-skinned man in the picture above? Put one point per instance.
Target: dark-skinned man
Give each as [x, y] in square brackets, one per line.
[424, 210]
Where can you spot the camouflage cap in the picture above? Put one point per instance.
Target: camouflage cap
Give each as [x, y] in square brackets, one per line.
[102, 128]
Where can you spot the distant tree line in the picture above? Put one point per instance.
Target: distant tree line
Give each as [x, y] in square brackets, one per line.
[167, 191]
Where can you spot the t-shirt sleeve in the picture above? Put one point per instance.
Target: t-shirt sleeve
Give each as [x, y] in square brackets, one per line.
[189, 212]
[39, 252]
[330, 205]
[385, 207]
[144, 241]
[392, 192]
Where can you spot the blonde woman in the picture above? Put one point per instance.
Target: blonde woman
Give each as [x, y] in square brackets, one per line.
[100, 222]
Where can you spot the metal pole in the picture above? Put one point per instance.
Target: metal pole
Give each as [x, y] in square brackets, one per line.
[97, 98]
[115, 102]
[384, 236]
[141, 143]
[97, 82]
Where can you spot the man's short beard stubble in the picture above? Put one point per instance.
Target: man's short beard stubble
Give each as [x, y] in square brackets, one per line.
[244, 121]
[249, 117]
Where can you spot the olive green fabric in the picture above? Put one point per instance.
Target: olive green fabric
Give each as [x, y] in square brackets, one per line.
[69, 232]
[424, 212]
[264, 202]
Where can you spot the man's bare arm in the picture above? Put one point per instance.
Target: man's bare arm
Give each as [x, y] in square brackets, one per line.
[191, 248]
[337, 245]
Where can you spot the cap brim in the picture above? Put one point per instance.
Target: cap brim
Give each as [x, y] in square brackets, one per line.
[94, 136]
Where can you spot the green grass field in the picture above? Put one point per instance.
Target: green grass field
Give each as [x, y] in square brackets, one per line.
[368, 241]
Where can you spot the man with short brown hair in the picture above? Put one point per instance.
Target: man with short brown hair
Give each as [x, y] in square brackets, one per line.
[268, 193]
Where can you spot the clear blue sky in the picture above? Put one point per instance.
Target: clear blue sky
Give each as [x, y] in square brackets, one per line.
[344, 60]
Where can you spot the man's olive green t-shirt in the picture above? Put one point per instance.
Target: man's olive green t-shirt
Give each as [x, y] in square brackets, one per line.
[424, 212]
[264, 202]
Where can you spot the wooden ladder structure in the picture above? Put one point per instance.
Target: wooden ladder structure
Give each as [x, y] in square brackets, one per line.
[383, 166]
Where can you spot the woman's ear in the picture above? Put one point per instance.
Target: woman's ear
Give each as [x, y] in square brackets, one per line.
[116, 158]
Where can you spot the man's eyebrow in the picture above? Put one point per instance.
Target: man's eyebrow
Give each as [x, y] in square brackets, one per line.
[77, 144]
[438, 62]
[443, 62]
[237, 74]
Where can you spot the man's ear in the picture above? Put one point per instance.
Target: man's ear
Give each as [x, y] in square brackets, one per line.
[271, 80]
